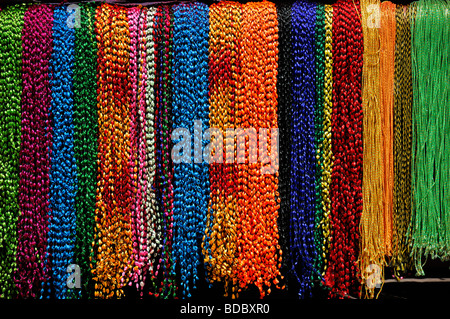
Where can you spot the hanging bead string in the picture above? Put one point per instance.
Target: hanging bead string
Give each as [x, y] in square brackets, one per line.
[387, 65]
[372, 242]
[259, 254]
[152, 211]
[319, 141]
[346, 184]
[429, 230]
[142, 168]
[284, 91]
[122, 92]
[201, 87]
[85, 120]
[133, 16]
[183, 117]
[303, 157]
[63, 179]
[328, 157]
[11, 25]
[228, 121]
[137, 19]
[401, 258]
[114, 187]
[190, 100]
[102, 31]
[163, 38]
[34, 158]
[219, 243]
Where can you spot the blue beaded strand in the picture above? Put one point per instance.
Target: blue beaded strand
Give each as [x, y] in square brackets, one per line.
[303, 163]
[63, 180]
[190, 104]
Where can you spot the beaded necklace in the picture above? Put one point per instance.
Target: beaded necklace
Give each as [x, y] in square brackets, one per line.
[113, 216]
[190, 103]
[152, 211]
[85, 120]
[402, 260]
[346, 192]
[303, 145]
[219, 243]
[137, 22]
[163, 37]
[259, 254]
[34, 158]
[284, 91]
[319, 129]
[11, 25]
[327, 138]
[63, 180]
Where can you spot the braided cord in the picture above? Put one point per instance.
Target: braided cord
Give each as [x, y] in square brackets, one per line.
[190, 103]
[401, 258]
[372, 243]
[11, 25]
[34, 158]
[430, 221]
[387, 64]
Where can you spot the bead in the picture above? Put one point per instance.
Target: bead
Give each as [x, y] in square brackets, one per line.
[35, 158]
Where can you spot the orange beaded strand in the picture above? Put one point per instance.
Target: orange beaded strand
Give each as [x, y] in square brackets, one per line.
[219, 244]
[113, 240]
[259, 254]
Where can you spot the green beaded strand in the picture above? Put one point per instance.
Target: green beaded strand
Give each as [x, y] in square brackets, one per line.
[85, 141]
[11, 25]
[319, 127]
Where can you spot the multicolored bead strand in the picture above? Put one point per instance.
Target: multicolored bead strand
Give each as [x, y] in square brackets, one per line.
[113, 241]
[34, 158]
[163, 38]
[152, 210]
[137, 17]
[219, 243]
[11, 25]
[303, 154]
[63, 179]
[190, 104]
[85, 120]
